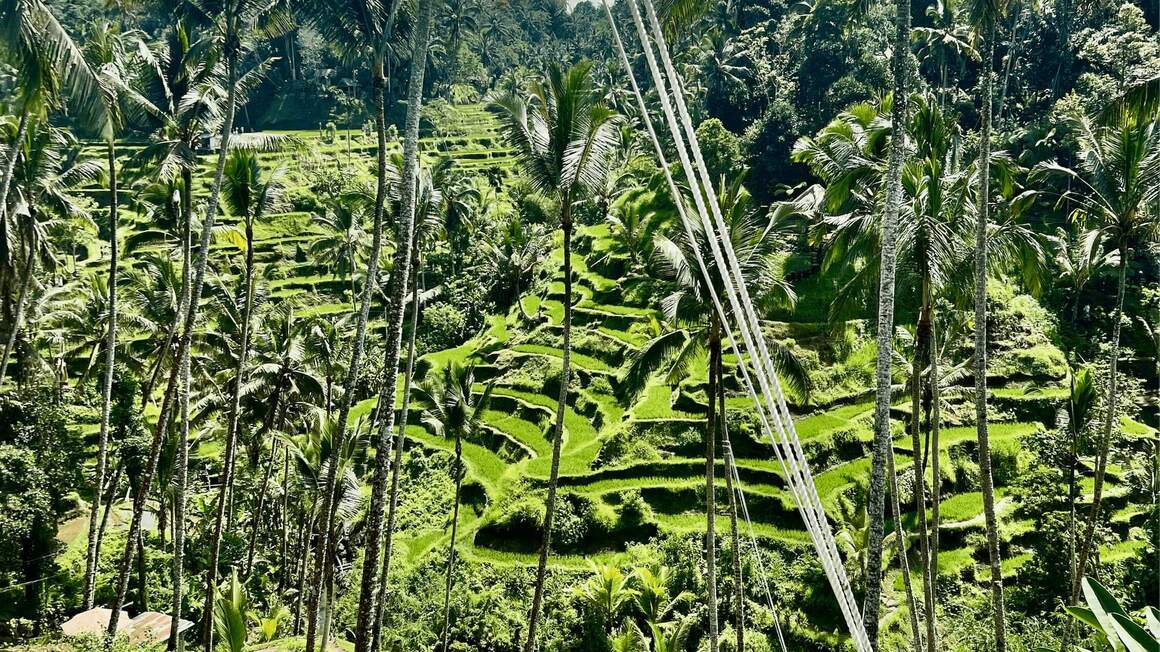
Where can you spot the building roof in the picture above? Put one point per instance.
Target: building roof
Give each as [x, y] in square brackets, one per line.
[146, 628]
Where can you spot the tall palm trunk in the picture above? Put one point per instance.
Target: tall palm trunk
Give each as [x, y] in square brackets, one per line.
[9, 170]
[921, 354]
[21, 301]
[106, 387]
[900, 548]
[985, 476]
[876, 503]
[323, 566]
[735, 541]
[936, 480]
[10, 164]
[561, 405]
[231, 438]
[256, 520]
[1088, 540]
[183, 345]
[711, 485]
[396, 466]
[369, 588]
[451, 548]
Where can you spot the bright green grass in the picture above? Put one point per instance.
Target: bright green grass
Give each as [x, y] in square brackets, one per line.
[523, 431]
[656, 403]
[695, 522]
[585, 362]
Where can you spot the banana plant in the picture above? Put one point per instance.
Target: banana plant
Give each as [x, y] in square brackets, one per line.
[1114, 628]
[229, 616]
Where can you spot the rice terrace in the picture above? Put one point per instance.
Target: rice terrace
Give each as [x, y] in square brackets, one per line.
[574, 326]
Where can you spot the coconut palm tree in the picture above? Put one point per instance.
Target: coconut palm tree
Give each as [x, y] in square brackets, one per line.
[361, 30]
[1080, 255]
[1114, 189]
[433, 212]
[451, 410]
[180, 88]
[369, 594]
[342, 246]
[250, 193]
[108, 52]
[985, 16]
[900, 68]
[50, 67]
[48, 168]
[563, 137]
[512, 253]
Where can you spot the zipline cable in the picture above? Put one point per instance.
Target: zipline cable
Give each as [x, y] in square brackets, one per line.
[731, 468]
[788, 432]
[799, 480]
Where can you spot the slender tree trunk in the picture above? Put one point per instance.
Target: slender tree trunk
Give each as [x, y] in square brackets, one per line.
[94, 549]
[142, 574]
[183, 344]
[900, 547]
[451, 549]
[921, 354]
[284, 566]
[1087, 543]
[323, 566]
[151, 382]
[936, 482]
[711, 486]
[876, 506]
[400, 441]
[305, 549]
[369, 588]
[735, 542]
[231, 438]
[10, 166]
[561, 405]
[111, 498]
[21, 301]
[256, 521]
[1012, 54]
[985, 477]
[9, 170]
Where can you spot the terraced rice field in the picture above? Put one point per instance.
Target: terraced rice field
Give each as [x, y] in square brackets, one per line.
[515, 456]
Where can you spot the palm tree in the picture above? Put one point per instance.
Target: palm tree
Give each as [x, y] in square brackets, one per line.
[1081, 401]
[434, 211]
[48, 167]
[901, 71]
[1081, 254]
[847, 156]
[50, 67]
[606, 593]
[250, 193]
[360, 29]
[108, 50]
[633, 223]
[1113, 190]
[342, 245]
[180, 97]
[369, 594]
[451, 411]
[985, 15]
[512, 253]
[563, 136]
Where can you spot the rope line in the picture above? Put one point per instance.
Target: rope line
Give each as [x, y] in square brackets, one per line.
[793, 461]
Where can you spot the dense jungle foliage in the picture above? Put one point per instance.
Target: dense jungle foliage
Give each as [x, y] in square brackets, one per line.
[403, 325]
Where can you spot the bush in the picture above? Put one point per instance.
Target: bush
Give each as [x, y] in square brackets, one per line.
[443, 327]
